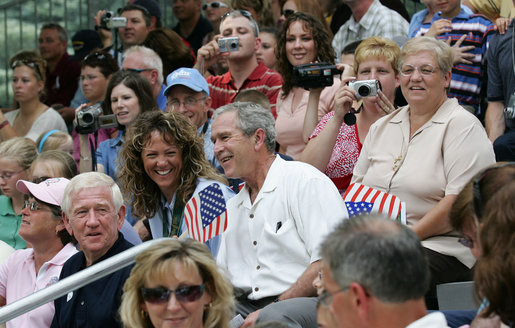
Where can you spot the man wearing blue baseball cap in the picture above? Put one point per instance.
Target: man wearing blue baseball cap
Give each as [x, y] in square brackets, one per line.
[187, 93]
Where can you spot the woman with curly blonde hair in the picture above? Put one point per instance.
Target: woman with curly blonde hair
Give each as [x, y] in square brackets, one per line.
[177, 283]
[164, 165]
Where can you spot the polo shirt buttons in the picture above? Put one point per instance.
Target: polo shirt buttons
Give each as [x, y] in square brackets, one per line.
[251, 216]
[82, 303]
[254, 243]
[258, 267]
[256, 289]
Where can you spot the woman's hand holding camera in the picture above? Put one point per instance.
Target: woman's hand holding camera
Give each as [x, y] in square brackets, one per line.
[344, 98]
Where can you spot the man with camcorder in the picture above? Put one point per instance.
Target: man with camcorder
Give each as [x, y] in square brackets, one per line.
[239, 42]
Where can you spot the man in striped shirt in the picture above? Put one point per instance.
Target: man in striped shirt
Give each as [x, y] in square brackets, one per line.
[469, 35]
[244, 70]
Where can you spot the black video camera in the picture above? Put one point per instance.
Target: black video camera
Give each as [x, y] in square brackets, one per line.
[315, 75]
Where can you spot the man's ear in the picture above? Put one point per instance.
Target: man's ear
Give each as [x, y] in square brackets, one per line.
[67, 224]
[258, 43]
[207, 104]
[360, 300]
[154, 74]
[120, 217]
[259, 139]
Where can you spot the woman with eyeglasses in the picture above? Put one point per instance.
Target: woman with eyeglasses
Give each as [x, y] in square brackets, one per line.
[32, 117]
[176, 284]
[96, 71]
[302, 40]
[425, 152]
[29, 270]
[16, 156]
[164, 166]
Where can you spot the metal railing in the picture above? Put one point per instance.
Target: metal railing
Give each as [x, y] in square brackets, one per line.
[74, 282]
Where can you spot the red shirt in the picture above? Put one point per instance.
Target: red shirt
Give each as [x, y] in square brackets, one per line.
[61, 84]
[222, 89]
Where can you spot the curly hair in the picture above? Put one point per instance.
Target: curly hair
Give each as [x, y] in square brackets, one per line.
[325, 51]
[175, 128]
[493, 274]
[172, 50]
[158, 262]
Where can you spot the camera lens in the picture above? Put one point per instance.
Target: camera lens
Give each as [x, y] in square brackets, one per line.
[364, 91]
[88, 118]
[233, 45]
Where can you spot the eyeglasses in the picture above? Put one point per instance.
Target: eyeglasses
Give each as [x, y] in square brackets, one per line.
[97, 55]
[287, 12]
[138, 70]
[467, 242]
[214, 5]
[244, 13]
[189, 102]
[9, 175]
[184, 294]
[33, 206]
[425, 70]
[30, 63]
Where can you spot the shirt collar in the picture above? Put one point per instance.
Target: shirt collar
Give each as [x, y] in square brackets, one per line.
[256, 74]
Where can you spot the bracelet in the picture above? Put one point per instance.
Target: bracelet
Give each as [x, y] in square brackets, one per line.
[3, 124]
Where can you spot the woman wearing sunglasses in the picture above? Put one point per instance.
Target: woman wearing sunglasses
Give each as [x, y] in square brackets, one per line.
[29, 270]
[32, 117]
[16, 156]
[311, 7]
[176, 284]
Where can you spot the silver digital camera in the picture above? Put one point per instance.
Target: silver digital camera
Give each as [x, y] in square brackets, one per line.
[365, 88]
[109, 20]
[509, 111]
[90, 119]
[229, 44]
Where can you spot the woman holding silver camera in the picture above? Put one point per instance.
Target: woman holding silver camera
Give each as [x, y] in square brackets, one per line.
[425, 152]
[336, 142]
[96, 71]
[32, 117]
[302, 40]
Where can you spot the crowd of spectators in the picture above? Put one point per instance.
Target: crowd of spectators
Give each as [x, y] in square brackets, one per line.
[262, 119]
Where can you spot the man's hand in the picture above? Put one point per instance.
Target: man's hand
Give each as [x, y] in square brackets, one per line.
[208, 55]
[501, 24]
[440, 26]
[106, 36]
[250, 321]
[461, 54]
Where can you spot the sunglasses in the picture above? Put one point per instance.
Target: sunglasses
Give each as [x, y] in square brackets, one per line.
[466, 242]
[138, 70]
[97, 55]
[287, 12]
[30, 63]
[184, 294]
[244, 13]
[33, 206]
[214, 5]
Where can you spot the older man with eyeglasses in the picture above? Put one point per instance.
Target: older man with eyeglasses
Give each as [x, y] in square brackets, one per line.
[187, 93]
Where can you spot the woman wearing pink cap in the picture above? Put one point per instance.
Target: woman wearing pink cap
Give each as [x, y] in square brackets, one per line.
[29, 270]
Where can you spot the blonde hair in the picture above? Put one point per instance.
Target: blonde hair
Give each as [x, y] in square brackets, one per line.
[157, 262]
[20, 149]
[52, 140]
[377, 47]
[442, 51]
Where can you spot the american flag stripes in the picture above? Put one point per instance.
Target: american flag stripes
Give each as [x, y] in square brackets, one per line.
[206, 214]
[360, 199]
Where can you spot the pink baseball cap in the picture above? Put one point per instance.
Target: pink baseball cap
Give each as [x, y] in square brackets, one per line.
[50, 191]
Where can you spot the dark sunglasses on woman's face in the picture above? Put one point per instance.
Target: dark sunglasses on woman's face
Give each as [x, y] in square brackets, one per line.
[287, 12]
[183, 294]
[214, 5]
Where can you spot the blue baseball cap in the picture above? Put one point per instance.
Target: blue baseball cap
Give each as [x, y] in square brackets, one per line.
[189, 77]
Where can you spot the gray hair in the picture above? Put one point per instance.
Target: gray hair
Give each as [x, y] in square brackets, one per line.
[237, 13]
[442, 51]
[150, 59]
[90, 180]
[61, 32]
[250, 117]
[384, 257]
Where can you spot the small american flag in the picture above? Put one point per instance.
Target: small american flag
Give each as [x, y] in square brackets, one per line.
[360, 199]
[206, 214]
